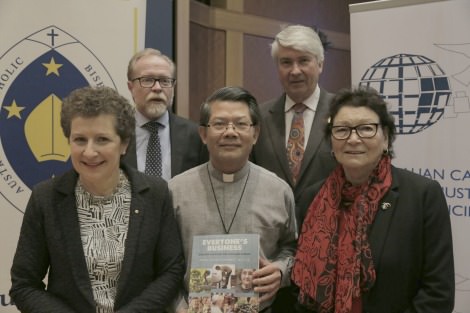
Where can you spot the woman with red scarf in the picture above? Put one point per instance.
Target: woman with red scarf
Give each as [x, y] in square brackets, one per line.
[374, 238]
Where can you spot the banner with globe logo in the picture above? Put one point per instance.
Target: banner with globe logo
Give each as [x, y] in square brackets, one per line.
[416, 88]
[48, 49]
[417, 55]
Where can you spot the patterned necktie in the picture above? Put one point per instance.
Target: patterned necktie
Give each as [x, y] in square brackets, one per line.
[153, 161]
[295, 143]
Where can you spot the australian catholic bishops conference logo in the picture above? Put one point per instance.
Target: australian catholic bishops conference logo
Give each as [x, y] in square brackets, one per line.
[36, 73]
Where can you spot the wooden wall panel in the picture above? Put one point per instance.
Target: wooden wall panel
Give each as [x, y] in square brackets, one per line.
[229, 45]
[207, 60]
[260, 75]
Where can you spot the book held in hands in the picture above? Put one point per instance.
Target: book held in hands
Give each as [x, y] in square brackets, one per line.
[221, 275]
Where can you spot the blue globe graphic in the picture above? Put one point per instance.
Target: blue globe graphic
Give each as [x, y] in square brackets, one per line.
[415, 87]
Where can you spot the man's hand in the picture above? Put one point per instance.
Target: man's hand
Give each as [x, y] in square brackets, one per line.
[267, 280]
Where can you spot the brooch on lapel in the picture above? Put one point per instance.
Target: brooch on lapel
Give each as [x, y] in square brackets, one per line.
[385, 206]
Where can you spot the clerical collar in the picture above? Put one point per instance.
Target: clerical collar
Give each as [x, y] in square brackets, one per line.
[212, 172]
[228, 178]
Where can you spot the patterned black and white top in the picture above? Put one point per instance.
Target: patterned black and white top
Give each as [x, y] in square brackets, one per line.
[104, 223]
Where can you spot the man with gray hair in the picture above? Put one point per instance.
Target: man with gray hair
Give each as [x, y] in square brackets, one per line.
[291, 140]
[164, 144]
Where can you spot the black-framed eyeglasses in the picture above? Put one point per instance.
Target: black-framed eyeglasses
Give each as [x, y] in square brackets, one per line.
[149, 82]
[221, 126]
[368, 130]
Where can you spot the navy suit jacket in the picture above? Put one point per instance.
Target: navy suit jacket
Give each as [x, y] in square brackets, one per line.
[50, 244]
[270, 149]
[411, 244]
[187, 148]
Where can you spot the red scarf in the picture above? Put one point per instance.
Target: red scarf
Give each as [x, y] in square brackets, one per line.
[332, 267]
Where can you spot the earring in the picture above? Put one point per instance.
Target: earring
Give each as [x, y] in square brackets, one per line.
[386, 152]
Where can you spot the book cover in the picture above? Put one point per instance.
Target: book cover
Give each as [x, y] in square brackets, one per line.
[221, 275]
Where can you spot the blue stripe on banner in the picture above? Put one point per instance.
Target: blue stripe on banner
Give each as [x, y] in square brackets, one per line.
[159, 28]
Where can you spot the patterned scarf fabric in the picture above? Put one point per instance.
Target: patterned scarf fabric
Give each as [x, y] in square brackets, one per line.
[331, 266]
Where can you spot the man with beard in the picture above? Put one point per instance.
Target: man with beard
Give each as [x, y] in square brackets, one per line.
[175, 142]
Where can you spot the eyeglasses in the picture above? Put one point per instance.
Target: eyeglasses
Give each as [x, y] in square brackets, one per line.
[363, 131]
[149, 82]
[220, 126]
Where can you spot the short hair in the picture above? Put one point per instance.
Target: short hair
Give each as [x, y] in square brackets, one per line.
[236, 94]
[90, 102]
[364, 97]
[301, 38]
[147, 52]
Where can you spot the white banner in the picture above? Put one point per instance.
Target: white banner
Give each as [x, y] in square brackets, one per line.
[49, 48]
[417, 54]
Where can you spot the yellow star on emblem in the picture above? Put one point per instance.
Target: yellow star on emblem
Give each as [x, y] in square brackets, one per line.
[52, 67]
[14, 110]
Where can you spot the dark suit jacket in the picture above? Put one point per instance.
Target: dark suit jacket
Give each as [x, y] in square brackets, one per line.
[187, 149]
[411, 245]
[270, 149]
[50, 243]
